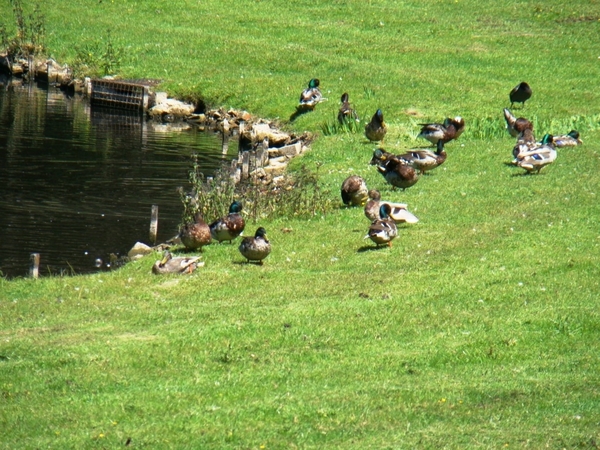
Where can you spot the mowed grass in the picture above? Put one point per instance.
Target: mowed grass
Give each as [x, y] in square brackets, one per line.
[477, 329]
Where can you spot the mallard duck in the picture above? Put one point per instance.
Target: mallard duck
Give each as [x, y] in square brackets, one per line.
[311, 95]
[383, 230]
[346, 112]
[432, 132]
[458, 123]
[514, 125]
[520, 94]
[397, 173]
[425, 160]
[354, 191]
[256, 248]
[376, 129]
[539, 157]
[229, 227]
[169, 264]
[380, 156]
[445, 132]
[372, 206]
[525, 143]
[194, 235]
[567, 140]
[399, 212]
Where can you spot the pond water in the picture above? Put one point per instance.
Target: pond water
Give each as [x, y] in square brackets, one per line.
[77, 183]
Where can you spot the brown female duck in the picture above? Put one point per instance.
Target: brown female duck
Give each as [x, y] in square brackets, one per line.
[196, 234]
[354, 191]
[376, 129]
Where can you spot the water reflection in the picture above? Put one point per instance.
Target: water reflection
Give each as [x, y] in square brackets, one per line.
[77, 183]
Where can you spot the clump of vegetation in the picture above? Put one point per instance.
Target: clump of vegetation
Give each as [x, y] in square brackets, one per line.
[337, 127]
[494, 127]
[297, 195]
[29, 36]
[98, 57]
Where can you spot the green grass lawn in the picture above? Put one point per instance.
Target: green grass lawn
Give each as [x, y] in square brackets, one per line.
[479, 328]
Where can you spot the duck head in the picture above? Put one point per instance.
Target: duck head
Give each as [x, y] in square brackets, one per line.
[384, 210]
[378, 117]
[547, 139]
[374, 195]
[235, 207]
[314, 83]
[261, 233]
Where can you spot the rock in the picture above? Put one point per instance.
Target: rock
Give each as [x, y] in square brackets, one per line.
[160, 97]
[262, 131]
[138, 251]
[281, 160]
[288, 150]
[197, 118]
[275, 168]
[17, 70]
[170, 106]
[259, 173]
[245, 116]
[77, 86]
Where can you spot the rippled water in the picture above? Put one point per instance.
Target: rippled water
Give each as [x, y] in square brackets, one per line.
[78, 183]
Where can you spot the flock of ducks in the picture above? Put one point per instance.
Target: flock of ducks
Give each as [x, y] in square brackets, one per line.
[529, 154]
[400, 171]
[196, 234]
[404, 170]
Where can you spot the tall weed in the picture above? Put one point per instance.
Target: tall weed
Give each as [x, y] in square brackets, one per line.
[28, 38]
[294, 195]
[97, 58]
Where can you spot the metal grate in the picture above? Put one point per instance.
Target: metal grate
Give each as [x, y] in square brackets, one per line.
[119, 94]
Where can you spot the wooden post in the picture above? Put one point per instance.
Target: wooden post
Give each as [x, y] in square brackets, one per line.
[260, 157]
[34, 270]
[225, 147]
[252, 163]
[154, 224]
[234, 171]
[245, 165]
[241, 128]
[49, 69]
[30, 68]
[145, 97]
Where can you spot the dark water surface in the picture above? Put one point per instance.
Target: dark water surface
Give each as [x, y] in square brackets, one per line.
[77, 183]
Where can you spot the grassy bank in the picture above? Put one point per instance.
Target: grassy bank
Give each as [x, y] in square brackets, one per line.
[478, 329]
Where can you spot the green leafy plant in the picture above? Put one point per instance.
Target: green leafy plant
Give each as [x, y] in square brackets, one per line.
[28, 39]
[297, 195]
[337, 127]
[97, 58]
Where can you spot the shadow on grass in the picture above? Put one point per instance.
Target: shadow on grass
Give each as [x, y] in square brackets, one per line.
[300, 110]
[526, 174]
[368, 248]
[249, 263]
